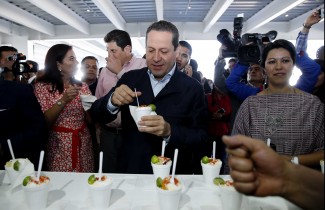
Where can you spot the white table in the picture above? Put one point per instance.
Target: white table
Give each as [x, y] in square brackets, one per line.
[69, 191]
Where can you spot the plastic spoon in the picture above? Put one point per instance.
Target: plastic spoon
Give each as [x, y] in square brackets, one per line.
[174, 166]
[40, 163]
[268, 142]
[214, 150]
[100, 171]
[136, 95]
[11, 150]
[163, 148]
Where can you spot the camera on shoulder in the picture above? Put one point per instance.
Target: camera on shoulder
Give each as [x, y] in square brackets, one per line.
[21, 66]
[247, 48]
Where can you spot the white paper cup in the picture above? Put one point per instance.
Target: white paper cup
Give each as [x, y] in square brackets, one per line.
[12, 174]
[100, 196]
[36, 196]
[142, 111]
[161, 171]
[169, 200]
[211, 171]
[321, 162]
[230, 198]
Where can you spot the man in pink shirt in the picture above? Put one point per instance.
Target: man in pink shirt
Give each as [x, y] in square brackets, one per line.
[119, 60]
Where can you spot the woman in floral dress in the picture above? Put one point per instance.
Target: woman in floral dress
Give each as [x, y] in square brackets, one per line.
[69, 145]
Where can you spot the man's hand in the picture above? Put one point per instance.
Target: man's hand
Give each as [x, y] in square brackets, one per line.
[156, 125]
[188, 70]
[123, 95]
[312, 19]
[113, 64]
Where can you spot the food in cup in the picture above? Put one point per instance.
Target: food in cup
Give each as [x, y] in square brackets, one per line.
[230, 198]
[159, 160]
[210, 161]
[36, 191]
[100, 190]
[221, 182]
[211, 169]
[31, 181]
[17, 164]
[98, 181]
[165, 184]
[17, 169]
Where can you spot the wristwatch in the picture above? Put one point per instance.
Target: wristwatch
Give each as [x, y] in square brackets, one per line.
[295, 160]
[59, 103]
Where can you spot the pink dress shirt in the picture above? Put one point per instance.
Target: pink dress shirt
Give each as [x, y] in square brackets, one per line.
[107, 80]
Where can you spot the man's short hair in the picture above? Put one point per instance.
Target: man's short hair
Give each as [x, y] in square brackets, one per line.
[194, 65]
[163, 25]
[122, 38]
[90, 58]
[187, 45]
[232, 60]
[6, 49]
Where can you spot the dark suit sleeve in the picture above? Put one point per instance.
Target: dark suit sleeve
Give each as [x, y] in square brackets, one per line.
[193, 132]
[99, 112]
[27, 128]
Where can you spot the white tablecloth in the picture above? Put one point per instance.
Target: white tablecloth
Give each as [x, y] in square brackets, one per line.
[69, 191]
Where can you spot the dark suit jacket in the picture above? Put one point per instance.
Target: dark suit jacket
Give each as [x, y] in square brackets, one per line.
[21, 121]
[181, 102]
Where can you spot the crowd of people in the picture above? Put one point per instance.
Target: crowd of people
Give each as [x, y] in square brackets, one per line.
[192, 111]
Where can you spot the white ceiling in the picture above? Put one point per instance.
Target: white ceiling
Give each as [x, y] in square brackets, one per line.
[85, 22]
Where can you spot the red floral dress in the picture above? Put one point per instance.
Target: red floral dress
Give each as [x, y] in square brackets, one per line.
[69, 147]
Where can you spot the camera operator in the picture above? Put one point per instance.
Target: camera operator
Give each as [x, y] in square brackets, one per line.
[248, 54]
[6, 52]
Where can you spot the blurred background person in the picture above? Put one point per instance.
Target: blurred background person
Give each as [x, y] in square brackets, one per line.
[120, 60]
[219, 107]
[6, 62]
[89, 68]
[69, 146]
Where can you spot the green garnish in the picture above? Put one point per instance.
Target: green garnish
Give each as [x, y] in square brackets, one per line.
[153, 107]
[219, 181]
[205, 160]
[16, 165]
[91, 179]
[159, 182]
[26, 180]
[154, 159]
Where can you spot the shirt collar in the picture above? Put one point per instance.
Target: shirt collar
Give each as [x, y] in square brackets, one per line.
[166, 77]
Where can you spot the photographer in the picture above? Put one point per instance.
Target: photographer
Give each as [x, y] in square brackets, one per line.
[6, 52]
[249, 54]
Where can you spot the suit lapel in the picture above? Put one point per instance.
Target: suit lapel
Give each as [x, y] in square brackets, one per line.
[173, 86]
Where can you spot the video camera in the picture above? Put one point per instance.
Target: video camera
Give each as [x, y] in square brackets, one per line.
[249, 47]
[19, 67]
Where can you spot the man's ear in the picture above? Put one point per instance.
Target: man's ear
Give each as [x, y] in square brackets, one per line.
[128, 48]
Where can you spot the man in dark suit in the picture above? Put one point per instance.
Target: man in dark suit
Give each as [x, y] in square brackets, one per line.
[180, 106]
[21, 121]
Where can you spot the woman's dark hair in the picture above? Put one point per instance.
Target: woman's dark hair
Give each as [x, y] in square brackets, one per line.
[280, 43]
[51, 72]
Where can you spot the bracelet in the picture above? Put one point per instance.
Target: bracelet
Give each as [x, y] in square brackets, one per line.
[305, 26]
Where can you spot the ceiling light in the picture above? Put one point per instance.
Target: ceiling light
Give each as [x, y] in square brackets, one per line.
[286, 15]
[88, 10]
